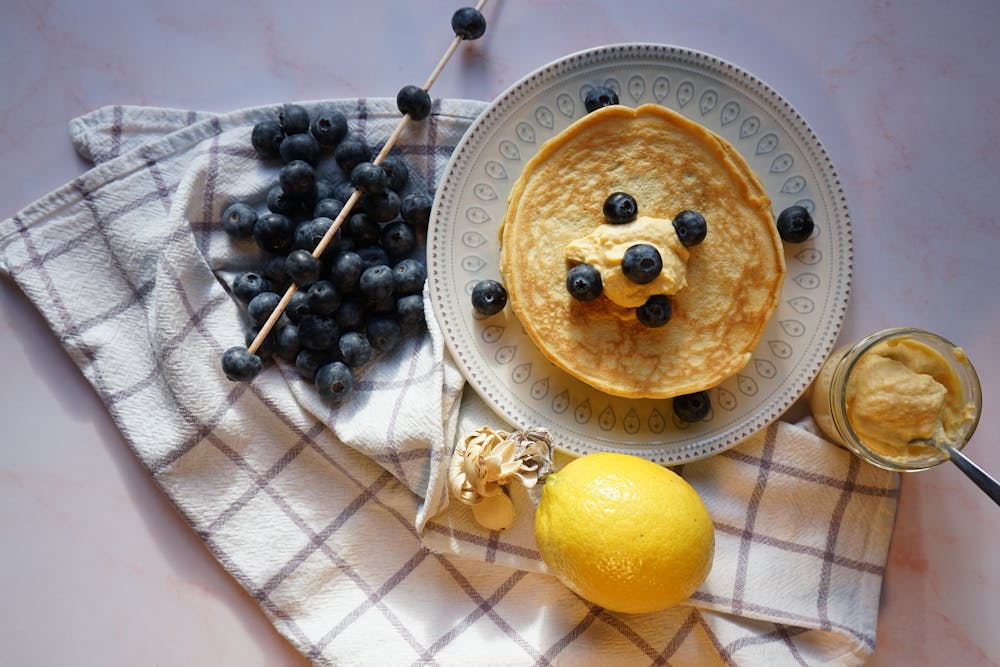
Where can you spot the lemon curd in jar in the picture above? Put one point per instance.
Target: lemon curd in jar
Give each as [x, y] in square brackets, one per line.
[889, 394]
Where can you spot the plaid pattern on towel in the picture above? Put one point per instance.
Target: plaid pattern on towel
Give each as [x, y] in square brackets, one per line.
[337, 522]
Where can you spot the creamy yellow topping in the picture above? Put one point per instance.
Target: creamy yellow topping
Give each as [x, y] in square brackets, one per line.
[604, 248]
[903, 390]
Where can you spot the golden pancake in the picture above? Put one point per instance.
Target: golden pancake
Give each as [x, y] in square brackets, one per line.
[669, 164]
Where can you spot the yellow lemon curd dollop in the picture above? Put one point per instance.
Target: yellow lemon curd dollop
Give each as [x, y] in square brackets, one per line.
[624, 533]
[604, 248]
[903, 390]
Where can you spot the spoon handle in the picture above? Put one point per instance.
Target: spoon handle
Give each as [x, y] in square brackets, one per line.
[981, 478]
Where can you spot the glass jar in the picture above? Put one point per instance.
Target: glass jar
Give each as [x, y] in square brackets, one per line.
[834, 392]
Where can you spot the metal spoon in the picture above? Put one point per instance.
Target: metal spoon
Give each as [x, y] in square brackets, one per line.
[980, 477]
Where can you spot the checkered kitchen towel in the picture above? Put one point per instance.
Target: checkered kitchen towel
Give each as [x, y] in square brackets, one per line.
[336, 521]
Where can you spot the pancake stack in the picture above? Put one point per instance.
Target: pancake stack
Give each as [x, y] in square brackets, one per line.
[668, 164]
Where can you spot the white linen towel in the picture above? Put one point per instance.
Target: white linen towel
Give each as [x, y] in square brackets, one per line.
[336, 521]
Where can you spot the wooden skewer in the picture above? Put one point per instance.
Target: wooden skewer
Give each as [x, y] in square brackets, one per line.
[353, 199]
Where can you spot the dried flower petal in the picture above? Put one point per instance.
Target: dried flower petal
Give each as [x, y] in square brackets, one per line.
[495, 512]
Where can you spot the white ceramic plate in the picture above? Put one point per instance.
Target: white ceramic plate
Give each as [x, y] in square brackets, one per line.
[500, 361]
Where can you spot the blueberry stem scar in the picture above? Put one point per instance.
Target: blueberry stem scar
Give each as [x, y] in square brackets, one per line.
[355, 196]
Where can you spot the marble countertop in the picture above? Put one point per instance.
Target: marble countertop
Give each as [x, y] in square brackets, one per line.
[97, 566]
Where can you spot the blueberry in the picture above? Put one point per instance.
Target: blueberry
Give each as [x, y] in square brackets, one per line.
[324, 188]
[410, 313]
[301, 146]
[329, 126]
[298, 179]
[288, 347]
[307, 361]
[266, 138]
[397, 171]
[376, 283]
[309, 233]
[274, 232]
[692, 407]
[408, 277]
[584, 282]
[248, 284]
[415, 101]
[350, 316]
[355, 349]
[276, 273]
[642, 263]
[380, 305]
[691, 228]
[239, 365]
[307, 203]
[381, 206]
[294, 119]
[363, 230]
[298, 306]
[334, 382]
[599, 97]
[416, 209]
[655, 312]
[488, 297]
[261, 307]
[351, 152]
[343, 243]
[369, 177]
[338, 244]
[468, 23]
[373, 255]
[345, 271]
[238, 220]
[323, 298]
[343, 190]
[795, 225]
[620, 207]
[318, 332]
[303, 268]
[398, 239]
[279, 201]
[267, 346]
[384, 334]
[328, 207]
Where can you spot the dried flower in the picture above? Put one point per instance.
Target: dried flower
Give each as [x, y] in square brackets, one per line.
[487, 460]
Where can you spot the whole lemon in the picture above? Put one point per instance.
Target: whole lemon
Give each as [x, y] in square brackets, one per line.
[624, 533]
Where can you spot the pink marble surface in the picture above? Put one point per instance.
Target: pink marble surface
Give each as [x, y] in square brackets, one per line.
[96, 566]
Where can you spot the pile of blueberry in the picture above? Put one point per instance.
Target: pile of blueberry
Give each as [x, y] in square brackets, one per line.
[360, 294]
[364, 293]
